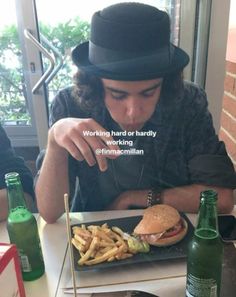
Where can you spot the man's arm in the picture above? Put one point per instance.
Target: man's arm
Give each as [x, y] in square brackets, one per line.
[52, 183]
[185, 198]
[66, 137]
[4, 203]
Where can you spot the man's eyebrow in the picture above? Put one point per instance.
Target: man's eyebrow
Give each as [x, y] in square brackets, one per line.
[157, 85]
[116, 90]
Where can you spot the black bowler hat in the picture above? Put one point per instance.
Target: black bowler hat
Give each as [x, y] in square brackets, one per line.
[130, 41]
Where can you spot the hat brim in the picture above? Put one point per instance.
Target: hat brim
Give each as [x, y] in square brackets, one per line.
[125, 70]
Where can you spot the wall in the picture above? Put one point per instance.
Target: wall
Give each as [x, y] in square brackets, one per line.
[216, 63]
[228, 114]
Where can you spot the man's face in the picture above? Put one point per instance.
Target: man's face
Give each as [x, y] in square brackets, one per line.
[131, 103]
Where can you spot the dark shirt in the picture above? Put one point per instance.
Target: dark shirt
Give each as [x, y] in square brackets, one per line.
[10, 162]
[185, 151]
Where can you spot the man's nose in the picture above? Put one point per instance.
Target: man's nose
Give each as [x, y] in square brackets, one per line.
[133, 108]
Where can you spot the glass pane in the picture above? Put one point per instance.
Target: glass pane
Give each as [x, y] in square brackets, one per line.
[13, 99]
[69, 26]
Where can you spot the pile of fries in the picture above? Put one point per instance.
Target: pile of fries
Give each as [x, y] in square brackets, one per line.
[97, 244]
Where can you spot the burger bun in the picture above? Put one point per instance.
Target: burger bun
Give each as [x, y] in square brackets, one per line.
[161, 242]
[161, 225]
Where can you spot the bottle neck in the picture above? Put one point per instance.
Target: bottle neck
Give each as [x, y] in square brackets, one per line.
[15, 192]
[207, 216]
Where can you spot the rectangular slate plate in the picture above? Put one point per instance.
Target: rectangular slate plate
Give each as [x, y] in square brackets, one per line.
[176, 251]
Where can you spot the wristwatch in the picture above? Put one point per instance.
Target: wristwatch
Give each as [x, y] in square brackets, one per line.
[154, 197]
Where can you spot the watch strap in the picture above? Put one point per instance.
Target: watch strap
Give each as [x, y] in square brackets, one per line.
[154, 197]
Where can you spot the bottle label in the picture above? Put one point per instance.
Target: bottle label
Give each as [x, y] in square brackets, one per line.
[198, 287]
[25, 265]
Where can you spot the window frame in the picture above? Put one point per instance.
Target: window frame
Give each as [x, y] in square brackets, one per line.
[211, 75]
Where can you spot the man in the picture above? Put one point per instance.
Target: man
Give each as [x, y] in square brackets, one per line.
[10, 162]
[131, 133]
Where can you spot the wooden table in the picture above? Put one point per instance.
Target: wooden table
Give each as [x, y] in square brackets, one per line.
[57, 275]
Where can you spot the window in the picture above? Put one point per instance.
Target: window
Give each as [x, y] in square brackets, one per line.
[59, 26]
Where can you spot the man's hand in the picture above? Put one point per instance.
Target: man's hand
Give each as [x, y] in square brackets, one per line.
[184, 199]
[72, 135]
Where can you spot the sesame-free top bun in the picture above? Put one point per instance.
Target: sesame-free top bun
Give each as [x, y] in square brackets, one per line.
[157, 219]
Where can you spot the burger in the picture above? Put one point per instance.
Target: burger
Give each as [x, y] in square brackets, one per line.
[161, 225]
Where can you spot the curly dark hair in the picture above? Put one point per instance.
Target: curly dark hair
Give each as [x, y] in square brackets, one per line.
[89, 92]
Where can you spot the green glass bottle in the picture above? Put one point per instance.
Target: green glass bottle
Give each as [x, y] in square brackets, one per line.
[23, 231]
[205, 253]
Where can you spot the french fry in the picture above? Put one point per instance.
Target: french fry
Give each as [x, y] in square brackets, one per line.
[76, 244]
[120, 241]
[123, 256]
[97, 244]
[116, 236]
[102, 258]
[104, 243]
[104, 250]
[92, 227]
[81, 232]
[93, 254]
[103, 235]
[89, 252]
[111, 259]
[104, 226]
[80, 239]
[98, 254]
[118, 231]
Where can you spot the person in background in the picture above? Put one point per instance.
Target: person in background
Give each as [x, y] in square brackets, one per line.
[10, 162]
[131, 132]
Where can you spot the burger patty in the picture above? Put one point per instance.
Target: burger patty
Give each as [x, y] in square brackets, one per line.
[168, 233]
[174, 230]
